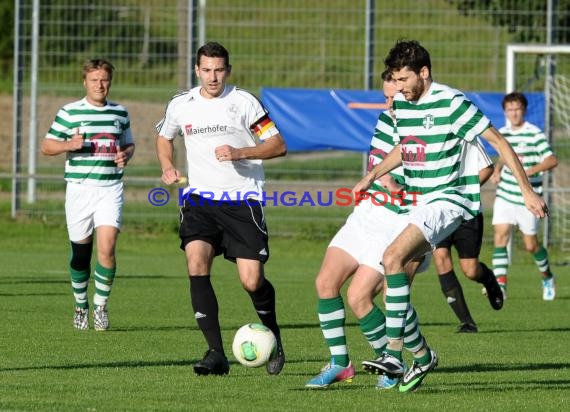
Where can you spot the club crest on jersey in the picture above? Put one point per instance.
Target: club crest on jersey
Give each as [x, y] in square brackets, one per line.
[103, 144]
[429, 121]
[413, 150]
[232, 111]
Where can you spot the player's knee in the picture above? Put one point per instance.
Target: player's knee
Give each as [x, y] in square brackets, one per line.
[352, 298]
[196, 268]
[470, 270]
[250, 283]
[500, 239]
[81, 255]
[440, 265]
[392, 260]
[531, 247]
[249, 287]
[470, 274]
[326, 286]
[358, 302]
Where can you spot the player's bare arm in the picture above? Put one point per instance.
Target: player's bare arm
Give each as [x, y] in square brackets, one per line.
[124, 154]
[534, 202]
[388, 182]
[547, 164]
[268, 149]
[165, 153]
[496, 176]
[52, 147]
[390, 162]
[485, 174]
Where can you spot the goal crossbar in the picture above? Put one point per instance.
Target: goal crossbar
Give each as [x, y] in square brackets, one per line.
[513, 49]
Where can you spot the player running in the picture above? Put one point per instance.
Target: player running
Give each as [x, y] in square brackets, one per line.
[535, 153]
[95, 136]
[434, 123]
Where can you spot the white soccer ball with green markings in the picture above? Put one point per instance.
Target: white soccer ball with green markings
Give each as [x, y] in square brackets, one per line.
[253, 345]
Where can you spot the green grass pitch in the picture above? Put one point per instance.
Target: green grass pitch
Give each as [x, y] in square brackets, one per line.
[517, 362]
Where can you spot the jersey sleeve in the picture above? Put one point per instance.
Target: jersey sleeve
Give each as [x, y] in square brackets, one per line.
[383, 141]
[167, 126]
[127, 137]
[467, 120]
[543, 147]
[58, 129]
[484, 160]
[264, 127]
[257, 116]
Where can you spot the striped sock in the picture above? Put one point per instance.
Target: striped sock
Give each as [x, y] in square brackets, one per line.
[373, 326]
[414, 342]
[397, 304]
[425, 357]
[413, 339]
[541, 260]
[500, 262]
[79, 284]
[332, 318]
[103, 281]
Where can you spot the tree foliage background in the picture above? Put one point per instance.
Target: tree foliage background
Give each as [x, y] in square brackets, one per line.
[6, 37]
[526, 18]
[147, 39]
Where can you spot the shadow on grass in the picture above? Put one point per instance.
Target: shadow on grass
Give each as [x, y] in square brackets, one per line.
[234, 327]
[502, 386]
[472, 368]
[503, 331]
[502, 367]
[193, 327]
[19, 281]
[123, 364]
[32, 294]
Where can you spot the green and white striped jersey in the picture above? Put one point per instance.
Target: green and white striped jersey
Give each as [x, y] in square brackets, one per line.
[531, 146]
[434, 133]
[103, 129]
[381, 144]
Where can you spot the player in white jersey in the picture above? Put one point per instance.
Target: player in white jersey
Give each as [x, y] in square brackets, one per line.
[434, 125]
[356, 251]
[535, 153]
[227, 133]
[96, 137]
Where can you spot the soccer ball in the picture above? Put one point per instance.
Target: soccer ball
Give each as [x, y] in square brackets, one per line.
[253, 345]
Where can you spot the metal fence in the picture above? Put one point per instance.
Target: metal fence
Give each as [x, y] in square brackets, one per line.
[298, 43]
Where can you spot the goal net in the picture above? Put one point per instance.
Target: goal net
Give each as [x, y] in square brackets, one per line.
[546, 70]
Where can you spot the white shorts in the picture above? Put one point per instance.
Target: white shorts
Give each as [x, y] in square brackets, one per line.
[436, 220]
[511, 214]
[368, 231]
[88, 207]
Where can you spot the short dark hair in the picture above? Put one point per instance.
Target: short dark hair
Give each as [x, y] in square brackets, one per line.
[213, 49]
[387, 75]
[410, 54]
[515, 97]
[97, 64]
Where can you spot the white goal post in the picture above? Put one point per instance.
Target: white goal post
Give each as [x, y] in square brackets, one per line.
[512, 49]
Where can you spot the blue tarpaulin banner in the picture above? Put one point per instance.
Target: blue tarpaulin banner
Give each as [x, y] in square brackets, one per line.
[329, 119]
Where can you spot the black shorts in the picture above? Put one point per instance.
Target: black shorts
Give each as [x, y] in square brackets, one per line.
[467, 239]
[237, 230]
